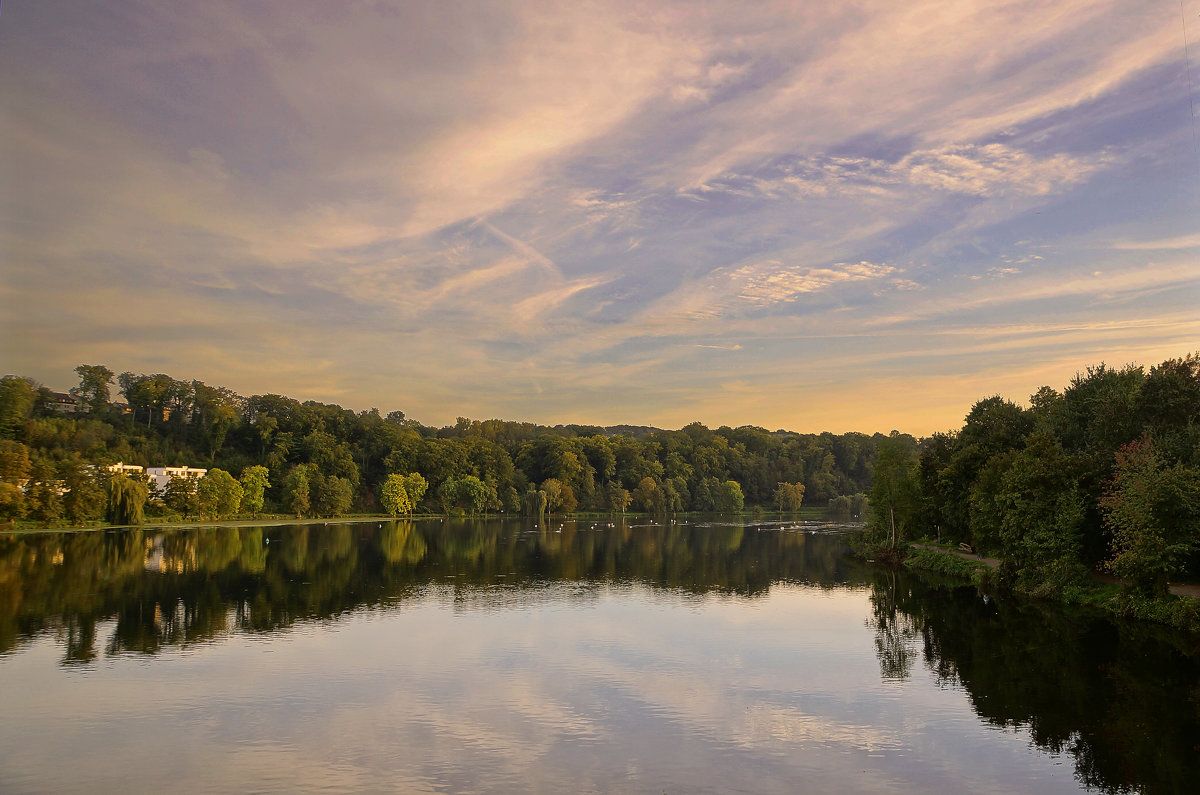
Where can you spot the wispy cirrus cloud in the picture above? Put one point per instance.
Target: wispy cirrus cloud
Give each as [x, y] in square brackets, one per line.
[530, 194]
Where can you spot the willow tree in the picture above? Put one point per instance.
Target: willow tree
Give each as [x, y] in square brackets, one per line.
[126, 499]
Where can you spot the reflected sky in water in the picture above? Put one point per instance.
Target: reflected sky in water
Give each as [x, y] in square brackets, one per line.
[595, 684]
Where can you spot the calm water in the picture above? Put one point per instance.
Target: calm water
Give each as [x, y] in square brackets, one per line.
[493, 656]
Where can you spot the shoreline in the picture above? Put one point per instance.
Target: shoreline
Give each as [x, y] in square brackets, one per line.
[274, 520]
[1180, 610]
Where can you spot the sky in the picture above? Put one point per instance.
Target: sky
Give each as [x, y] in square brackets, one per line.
[802, 215]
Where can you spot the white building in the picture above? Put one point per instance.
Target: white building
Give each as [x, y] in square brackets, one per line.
[161, 476]
[123, 468]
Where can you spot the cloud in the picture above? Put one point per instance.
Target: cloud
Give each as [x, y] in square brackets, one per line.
[555, 199]
[1170, 243]
[787, 283]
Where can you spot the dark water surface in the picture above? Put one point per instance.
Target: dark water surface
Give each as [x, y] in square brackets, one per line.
[496, 656]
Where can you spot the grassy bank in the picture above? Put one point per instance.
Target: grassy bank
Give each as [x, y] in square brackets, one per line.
[1178, 612]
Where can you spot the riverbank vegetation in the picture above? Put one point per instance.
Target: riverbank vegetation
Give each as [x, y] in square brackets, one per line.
[1101, 477]
[314, 459]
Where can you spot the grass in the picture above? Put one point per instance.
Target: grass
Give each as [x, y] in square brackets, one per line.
[949, 565]
[1115, 599]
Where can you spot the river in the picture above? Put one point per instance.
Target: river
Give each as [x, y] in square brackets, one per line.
[575, 656]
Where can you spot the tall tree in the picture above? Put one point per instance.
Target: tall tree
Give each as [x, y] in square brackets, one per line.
[218, 494]
[126, 499]
[17, 397]
[254, 488]
[393, 496]
[893, 497]
[94, 383]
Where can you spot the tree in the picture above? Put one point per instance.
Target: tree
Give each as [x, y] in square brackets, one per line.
[12, 501]
[217, 412]
[254, 488]
[14, 462]
[1153, 512]
[569, 502]
[415, 485]
[84, 498]
[218, 494]
[393, 496]
[471, 494]
[553, 488]
[534, 503]
[44, 502]
[648, 496]
[16, 405]
[126, 499]
[296, 491]
[789, 496]
[448, 494]
[332, 495]
[618, 498]
[93, 389]
[732, 499]
[893, 497]
[181, 497]
[1041, 510]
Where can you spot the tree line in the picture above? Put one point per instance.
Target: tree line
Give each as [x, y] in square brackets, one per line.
[322, 460]
[1102, 475]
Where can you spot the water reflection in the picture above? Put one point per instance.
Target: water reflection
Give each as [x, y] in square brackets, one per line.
[706, 657]
[193, 585]
[1123, 699]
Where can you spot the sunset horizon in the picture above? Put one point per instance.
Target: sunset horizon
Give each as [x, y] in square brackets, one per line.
[794, 216]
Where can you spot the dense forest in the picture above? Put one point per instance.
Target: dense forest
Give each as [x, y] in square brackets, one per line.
[270, 453]
[1105, 474]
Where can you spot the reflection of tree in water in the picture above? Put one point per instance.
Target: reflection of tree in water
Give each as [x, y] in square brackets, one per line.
[896, 632]
[193, 585]
[1122, 699]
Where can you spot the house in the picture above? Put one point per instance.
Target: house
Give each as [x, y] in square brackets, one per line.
[161, 476]
[64, 403]
[124, 469]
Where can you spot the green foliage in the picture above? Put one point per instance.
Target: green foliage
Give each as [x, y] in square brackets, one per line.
[648, 496]
[949, 565]
[12, 501]
[1153, 512]
[732, 500]
[534, 503]
[1104, 472]
[94, 383]
[181, 496]
[416, 487]
[894, 499]
[16, 405]
[848, 507]
[84, 500]
[218, 494]
[126, 499]
[447, 493]
[472, 495]
[331, 495]
[14, 461]
[618, 498]
[789, 496]
[296, 491]
[255, 483]
[393, 496]
[44, 495]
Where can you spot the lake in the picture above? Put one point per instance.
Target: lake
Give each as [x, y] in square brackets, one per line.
[587, 656]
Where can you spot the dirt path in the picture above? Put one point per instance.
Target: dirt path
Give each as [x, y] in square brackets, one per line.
[1178, 589]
